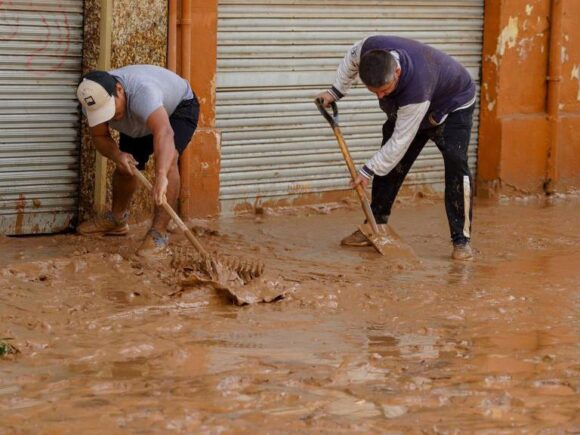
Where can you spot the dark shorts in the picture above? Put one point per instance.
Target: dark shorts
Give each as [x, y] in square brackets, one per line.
[183, 120]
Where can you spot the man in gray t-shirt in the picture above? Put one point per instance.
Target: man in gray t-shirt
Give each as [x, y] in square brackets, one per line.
[155, 112]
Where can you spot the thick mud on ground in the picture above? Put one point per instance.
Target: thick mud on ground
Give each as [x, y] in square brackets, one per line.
[361, 343]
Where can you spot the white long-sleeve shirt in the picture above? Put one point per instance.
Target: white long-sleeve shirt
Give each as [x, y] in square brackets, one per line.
[412, 103]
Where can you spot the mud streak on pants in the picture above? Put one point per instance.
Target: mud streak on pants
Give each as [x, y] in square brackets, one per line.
[452, 139]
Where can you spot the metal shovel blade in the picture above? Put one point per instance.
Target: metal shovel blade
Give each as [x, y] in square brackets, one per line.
[387, 241]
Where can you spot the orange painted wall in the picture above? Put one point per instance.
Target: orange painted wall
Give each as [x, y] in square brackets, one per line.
[515, 141]
[200, 166]
[569, 150]
[205, 166]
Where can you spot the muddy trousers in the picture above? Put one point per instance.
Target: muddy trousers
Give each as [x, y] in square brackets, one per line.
[452, 139]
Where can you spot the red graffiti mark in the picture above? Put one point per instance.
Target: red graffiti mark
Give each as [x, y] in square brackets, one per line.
[39, 51]
[13, 23]
[62, 55]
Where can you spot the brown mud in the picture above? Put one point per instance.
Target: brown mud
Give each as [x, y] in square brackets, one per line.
[360, 343]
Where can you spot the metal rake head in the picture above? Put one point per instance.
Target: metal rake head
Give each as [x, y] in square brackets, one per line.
[187, 261]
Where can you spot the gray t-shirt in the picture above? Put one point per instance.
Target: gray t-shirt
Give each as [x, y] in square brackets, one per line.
[147, 88]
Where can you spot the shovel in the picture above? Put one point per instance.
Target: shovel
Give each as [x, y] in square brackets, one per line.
[382, 238]
[224, 272]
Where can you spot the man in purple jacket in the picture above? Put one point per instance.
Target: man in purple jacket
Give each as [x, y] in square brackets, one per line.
[426, 94]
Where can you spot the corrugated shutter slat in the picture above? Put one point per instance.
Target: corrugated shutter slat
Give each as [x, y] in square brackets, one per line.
[274, 56]
[40, 65]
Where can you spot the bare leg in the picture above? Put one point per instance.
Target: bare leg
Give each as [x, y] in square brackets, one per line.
[160, 217]
[124, 185]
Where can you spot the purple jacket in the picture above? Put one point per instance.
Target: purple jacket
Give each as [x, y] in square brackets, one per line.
[432, 84]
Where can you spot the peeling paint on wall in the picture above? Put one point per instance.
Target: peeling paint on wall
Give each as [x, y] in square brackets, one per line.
[508, 36]
[576, 75]
[525, 46]
[506, 39]
[490, 103]
[529, 9]
[563, 55]
[516, 136]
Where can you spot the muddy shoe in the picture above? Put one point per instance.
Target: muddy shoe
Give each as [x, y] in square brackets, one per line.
[462, 252]
[104, 225]
[356, 239]
[154, 243]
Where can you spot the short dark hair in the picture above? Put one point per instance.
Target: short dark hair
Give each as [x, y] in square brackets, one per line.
[377, 67]
[103, 78]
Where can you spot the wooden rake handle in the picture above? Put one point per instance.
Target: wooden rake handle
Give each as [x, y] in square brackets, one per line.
[173, 215]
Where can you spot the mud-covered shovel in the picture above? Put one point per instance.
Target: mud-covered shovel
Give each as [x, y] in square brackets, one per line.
[383, 238]
[226, 273]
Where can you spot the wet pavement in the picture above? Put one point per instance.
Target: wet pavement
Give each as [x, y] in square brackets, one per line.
[361, 343]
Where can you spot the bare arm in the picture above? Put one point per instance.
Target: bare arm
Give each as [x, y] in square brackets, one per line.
[103, 141]
[163, 150]
[106, 145]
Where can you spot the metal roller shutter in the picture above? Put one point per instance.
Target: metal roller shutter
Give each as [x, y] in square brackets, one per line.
[274, 56]
[40, 65]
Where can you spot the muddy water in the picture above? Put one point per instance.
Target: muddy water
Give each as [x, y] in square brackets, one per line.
[362, 343]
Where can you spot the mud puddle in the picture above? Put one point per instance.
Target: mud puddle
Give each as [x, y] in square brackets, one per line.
[362, 344]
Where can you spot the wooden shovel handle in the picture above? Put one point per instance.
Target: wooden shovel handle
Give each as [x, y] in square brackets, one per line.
[173, 215]
[333, 121]
[359, 189]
